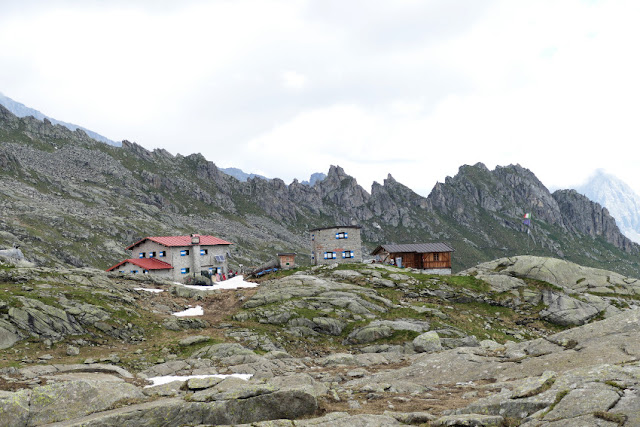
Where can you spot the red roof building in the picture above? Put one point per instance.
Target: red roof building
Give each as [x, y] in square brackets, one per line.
[177, 257]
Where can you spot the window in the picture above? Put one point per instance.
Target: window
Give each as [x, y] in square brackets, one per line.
[342, 235]
[347, 254]
[184, 270]
[152, 254]
[162, 254]
[142, 255]
[184, 252]
[436, 257]
[120, 271]
[313, 237]
[134, 271]
[204, 251]
[329, 255]
[219, 258]
[145, 271]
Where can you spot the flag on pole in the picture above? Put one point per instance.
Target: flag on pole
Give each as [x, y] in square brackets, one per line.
[527, 219]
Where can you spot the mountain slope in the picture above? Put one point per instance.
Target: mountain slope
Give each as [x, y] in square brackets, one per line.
[21, 110]
[68, 199]
[621, 201]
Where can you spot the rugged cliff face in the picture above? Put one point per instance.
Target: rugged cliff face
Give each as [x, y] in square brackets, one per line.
[71, 200]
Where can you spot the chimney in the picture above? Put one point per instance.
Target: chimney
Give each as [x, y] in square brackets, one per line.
[195, 239]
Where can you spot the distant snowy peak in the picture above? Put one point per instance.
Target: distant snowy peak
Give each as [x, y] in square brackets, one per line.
[621, 201]
[21, 110]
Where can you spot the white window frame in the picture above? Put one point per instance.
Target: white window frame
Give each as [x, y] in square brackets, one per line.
[348, 254]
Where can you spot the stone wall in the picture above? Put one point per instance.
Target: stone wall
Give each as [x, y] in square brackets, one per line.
[324, 240]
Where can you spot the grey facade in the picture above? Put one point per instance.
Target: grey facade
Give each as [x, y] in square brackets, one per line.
[339, 244]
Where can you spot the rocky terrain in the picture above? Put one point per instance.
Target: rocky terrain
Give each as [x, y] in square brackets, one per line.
[528, 341]
[70, 200]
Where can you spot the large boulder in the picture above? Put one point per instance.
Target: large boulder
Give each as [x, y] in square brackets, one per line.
[427, 342]
[288, 405]
[63, 401]
[566, 311]
[561, 273]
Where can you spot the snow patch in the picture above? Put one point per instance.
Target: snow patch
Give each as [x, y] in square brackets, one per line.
[193, 311]
[169, 378]
[149, 290]
[233, 283]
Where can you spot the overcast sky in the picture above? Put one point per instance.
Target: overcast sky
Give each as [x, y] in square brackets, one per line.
[288, 88]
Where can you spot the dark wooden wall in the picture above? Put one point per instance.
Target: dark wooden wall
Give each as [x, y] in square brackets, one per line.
[425, 260]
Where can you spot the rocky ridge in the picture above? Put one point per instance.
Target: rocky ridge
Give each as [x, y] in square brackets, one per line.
[356, 344]
[91, 200]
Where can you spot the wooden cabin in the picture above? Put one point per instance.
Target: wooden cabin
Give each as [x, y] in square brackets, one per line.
[433, 257]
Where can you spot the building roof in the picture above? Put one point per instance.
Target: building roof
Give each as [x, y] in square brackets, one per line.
[145, 263]
[182, 241]
[414, 248]
[336, 226]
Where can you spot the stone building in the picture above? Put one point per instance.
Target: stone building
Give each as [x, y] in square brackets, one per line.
[176, 257]
[339, 244]
[287, 260]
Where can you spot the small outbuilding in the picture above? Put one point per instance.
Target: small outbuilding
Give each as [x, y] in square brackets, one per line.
[287, 260]
[432, 258]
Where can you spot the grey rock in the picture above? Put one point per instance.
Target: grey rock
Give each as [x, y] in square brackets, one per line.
[72, 350]
[171, 389]
[271, 406]
[427, 342]
[203, 383]
[595, 397]
[195, 339]
[411, 417]
[72, 399]
[328, 325]
[469, 420]
[346, 274]
[220, 351]
[14, 408]
[9, 335]
[565, 310]
[340, 419]
[534, 385]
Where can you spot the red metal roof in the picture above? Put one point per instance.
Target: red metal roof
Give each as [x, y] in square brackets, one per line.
[145, 263]
[182, 241]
